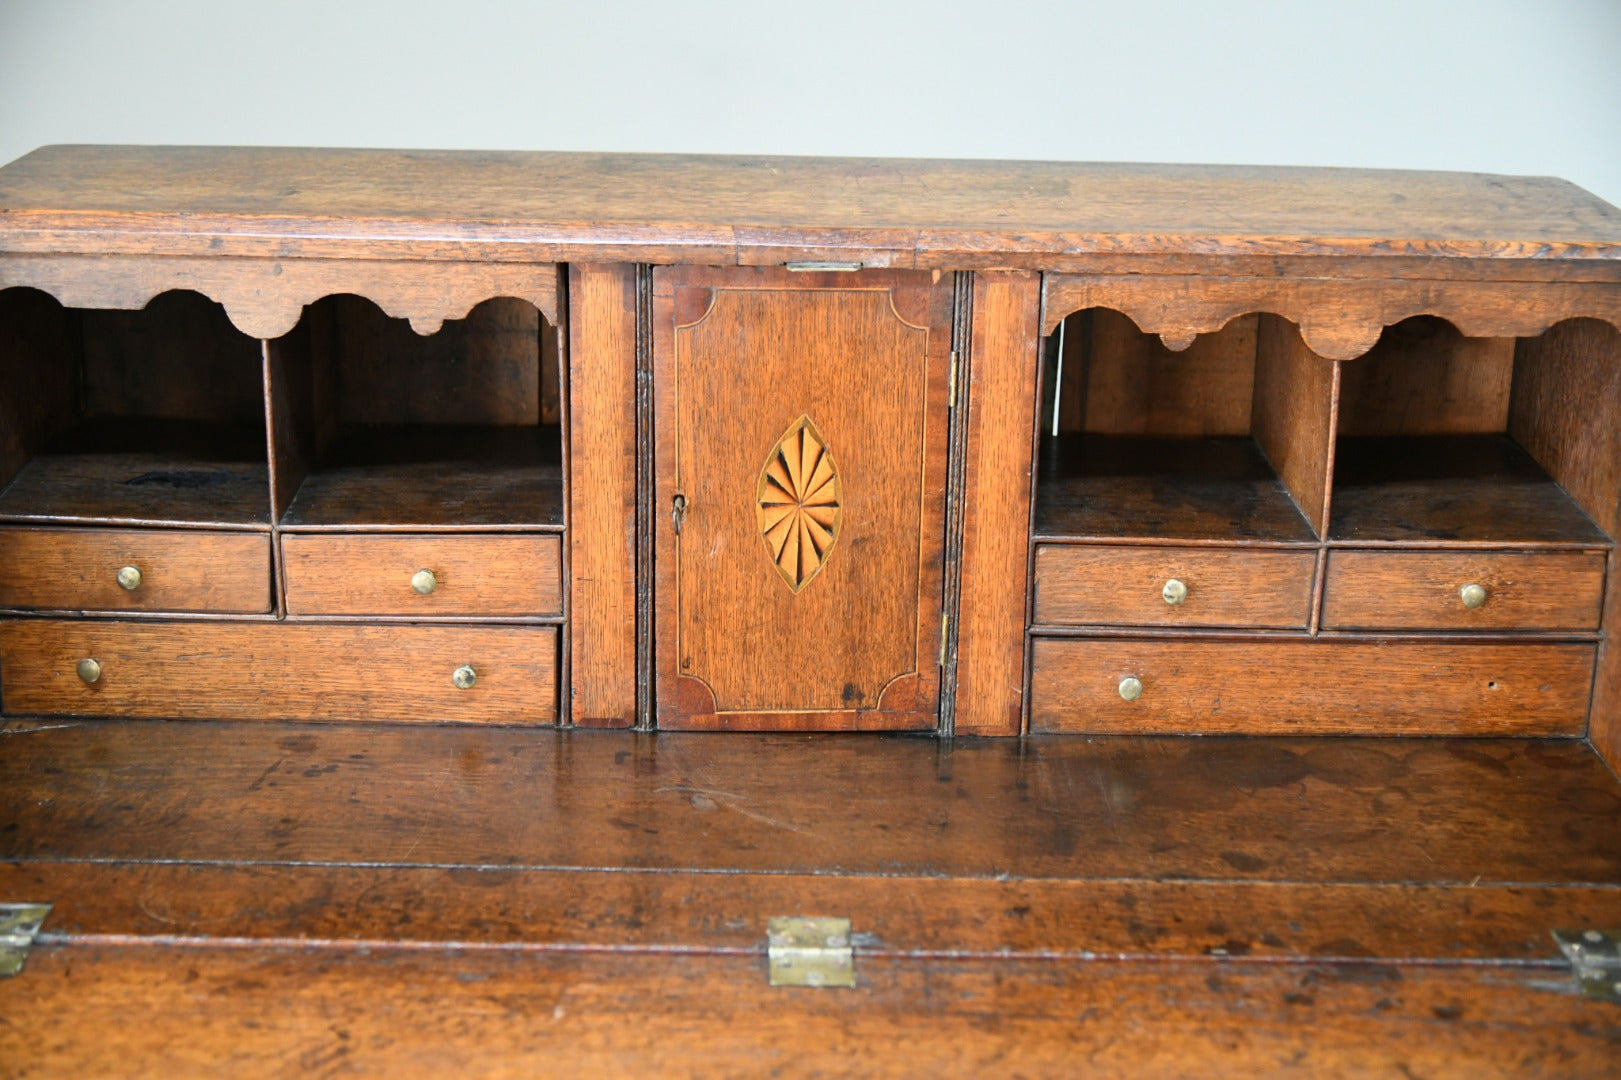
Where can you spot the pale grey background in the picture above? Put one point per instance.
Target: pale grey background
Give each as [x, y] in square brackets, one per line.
[1515, 86]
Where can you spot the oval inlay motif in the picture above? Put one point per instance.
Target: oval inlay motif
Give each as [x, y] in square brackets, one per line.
[799, 504]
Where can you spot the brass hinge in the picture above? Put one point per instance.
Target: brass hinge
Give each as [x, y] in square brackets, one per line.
[806, 951]
[1595, 959]
[945, 637]
[18, 925]
[951, 391]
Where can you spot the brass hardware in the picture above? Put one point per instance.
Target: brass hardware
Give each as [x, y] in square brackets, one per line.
[464, 677]
[129, 578]
[89, 670]
[18, 925]
[951, 391]
[813, 266]
[424, 582]
[810, 952]
[1174, 592]
[678, 512]
[1131, 688]
[1473, 596]
[1595, 959]
[945, 637]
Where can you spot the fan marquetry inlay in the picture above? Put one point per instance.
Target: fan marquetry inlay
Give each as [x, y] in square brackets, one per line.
[799, 504]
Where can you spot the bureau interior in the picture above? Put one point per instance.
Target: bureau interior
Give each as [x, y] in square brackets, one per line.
[1448, 440]
[380, 427]
[154, 416]
[1208, 444]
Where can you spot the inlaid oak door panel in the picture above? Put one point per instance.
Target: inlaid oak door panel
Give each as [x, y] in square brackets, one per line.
[801, 429]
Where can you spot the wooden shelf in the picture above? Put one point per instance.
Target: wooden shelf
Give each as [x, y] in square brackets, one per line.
[1451, 489]
[435, 477]
[158, 472]
[1109, 487]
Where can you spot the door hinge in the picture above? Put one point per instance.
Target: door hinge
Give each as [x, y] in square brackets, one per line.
[806, 951]
[951, 386]
[1595, 959]
[945, 637]
[18, 925]
[821, 266]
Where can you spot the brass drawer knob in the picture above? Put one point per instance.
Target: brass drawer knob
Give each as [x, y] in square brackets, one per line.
[1131, 688]
[464, 677]
[1174, 592]
[89, 671]
[1472, 595]
[424, 582]
[129, 578]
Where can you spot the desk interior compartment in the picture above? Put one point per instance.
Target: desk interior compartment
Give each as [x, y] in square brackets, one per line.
[378, 427]
[153, 417]
[1225, 442]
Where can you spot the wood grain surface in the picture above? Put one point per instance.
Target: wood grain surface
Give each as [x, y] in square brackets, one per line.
[626, 207]
[1509, 812]
[1281, 687]
[275, 671]
[1296, 406]
[1077, 584]
[843, 375]
[1340, 316]
[1420, 590]
[603, 448]
[475, 574]
[1425, 378]
[410, 1013]
[190, 570]
[1002, 402]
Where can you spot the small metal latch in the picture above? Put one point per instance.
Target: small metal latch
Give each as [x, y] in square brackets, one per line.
[810, 952]
[678, 512]
[821, 267]
[18, 925]
[1595, 956]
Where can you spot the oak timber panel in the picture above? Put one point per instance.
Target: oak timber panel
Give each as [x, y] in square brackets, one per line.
[1001, 395]
[1282, 687]
[1121, 381]
[657, 208]
[1566, 412]
[1424, 378]
[342, 574]
[1296, 399]
[77, 570]
[279, 671]
[603, 442]
[1420, 590]
[803, 419]
[1077, 584]
[40, 347]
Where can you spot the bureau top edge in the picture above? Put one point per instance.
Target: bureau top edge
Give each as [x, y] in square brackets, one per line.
[687, 208]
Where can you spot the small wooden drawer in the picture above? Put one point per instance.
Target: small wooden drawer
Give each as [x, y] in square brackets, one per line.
[135, 570]
[1425, 590]
[1082, 585]
[1085, 685]
[247, 671]
[470, 575]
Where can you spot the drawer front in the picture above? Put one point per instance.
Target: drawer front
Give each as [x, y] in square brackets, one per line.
[1423, 590]
[1309, 687]
[1126, 586]
[471, 575]
[246, 671]
[178, 570]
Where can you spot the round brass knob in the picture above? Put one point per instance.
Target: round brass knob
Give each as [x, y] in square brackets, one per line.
[1174, 592]
[129, 578]
[89, 670]
[464, 677]
[1131, 688]
[1472, 595]
[424, 582]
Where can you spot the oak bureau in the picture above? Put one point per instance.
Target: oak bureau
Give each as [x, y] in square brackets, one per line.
[807, 444]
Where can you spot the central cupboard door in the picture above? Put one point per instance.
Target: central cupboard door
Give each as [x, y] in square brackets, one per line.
[801, 431]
